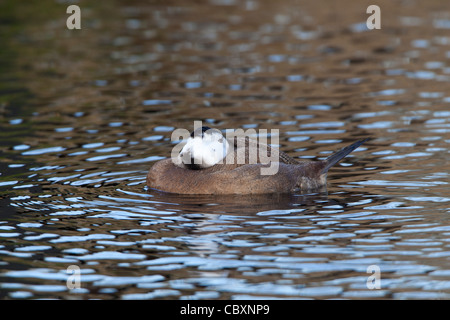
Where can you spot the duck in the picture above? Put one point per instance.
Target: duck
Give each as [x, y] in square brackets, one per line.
[210, 163]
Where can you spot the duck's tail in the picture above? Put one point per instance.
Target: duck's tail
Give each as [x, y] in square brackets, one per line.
[338, 156]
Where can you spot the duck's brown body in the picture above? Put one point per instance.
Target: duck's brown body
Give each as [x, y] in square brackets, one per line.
[246, 179]
[291, 176]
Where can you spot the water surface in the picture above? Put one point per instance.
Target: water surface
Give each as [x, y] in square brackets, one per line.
[85, 113]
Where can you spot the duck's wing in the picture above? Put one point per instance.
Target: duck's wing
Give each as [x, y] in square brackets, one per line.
[250, 151]
[286, 158]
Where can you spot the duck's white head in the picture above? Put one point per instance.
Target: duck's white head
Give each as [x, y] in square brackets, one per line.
[204, 148]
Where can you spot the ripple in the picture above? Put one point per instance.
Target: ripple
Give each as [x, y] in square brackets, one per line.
[428, 199]
[43, 151]
[112, 255]
[94, 236]
[377, 125]
[105, 157]
[155, 102]
[143, 160]
[400, 183]
[33, 248]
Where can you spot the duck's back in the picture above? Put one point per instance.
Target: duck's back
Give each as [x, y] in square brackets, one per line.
[249, 151]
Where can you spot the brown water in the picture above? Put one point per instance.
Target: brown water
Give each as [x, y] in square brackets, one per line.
[85, 113]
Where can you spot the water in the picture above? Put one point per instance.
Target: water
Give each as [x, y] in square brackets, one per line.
[85, 113]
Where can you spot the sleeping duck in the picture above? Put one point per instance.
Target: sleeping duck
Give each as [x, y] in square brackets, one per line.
[209, 163]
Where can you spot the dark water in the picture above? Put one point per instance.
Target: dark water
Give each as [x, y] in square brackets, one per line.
[85, 113]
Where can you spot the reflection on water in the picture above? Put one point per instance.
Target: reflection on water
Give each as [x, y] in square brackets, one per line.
[83, 124]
